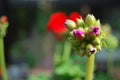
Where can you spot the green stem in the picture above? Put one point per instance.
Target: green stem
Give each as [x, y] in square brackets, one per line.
[67, 50]
[90, 67]
[57, 54]
[2, 60]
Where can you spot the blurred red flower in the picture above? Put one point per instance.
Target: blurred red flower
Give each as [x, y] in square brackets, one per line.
[4, 19]
[56, 23]
[74, 15]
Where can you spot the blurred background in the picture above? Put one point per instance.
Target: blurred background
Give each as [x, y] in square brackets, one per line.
[29, 49]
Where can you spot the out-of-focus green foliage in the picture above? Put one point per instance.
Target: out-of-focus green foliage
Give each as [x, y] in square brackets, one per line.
[18, 51]
[42, 19]
[102, 76]
[111, 40]
[68, 71]
[38, 77]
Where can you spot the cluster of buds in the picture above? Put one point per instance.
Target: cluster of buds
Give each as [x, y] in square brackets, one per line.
[86, 35]
[3, 26]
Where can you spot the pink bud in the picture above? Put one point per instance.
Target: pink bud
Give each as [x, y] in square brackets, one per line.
[94, 31]
[79, 34]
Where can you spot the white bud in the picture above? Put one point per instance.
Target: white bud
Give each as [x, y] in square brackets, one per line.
[69, 24]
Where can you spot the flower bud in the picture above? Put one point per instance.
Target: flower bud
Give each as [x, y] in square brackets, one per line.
[80, 22]
[86, 26]
[86, 30]
[79, 34]
[90, 49]
[94, 31]
[97, 23]
[71, 33]
[90, 19]
[96, 41]
[98, 47]
[69, 24]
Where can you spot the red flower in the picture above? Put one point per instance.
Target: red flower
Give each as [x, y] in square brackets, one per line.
[74, 15]
[4, 19]
[56, 23]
